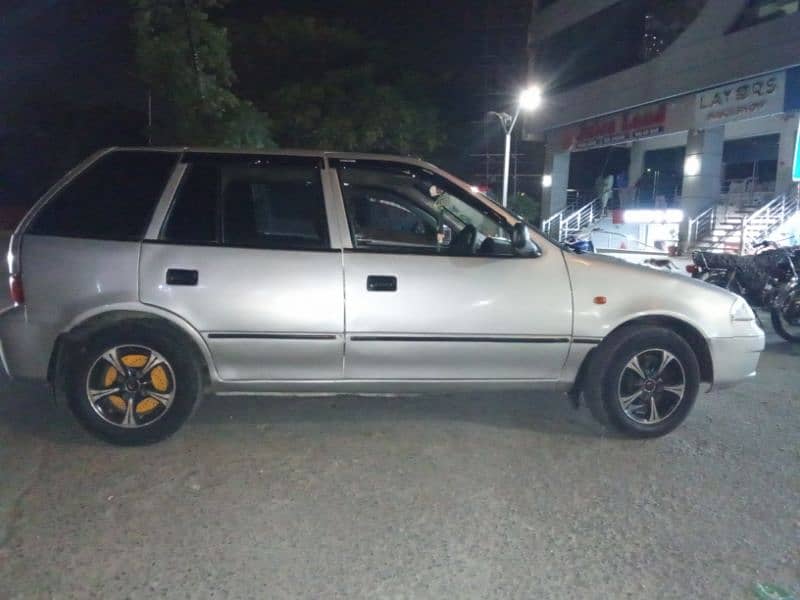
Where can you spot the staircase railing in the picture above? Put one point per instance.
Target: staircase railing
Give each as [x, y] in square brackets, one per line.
[702, 225]
[767, 219]
[561, 224]
[552, 227]
[583, 217]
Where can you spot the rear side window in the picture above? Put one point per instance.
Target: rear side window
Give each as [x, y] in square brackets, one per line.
[113, 199]
[274, 207]
[256, 204]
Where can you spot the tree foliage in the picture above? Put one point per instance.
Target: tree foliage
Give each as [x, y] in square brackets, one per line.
[185, 59]
[526, 206]
[326, 86]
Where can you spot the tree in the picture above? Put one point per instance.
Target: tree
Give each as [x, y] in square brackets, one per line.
[327, 87]
[185, 58]
[526, 206]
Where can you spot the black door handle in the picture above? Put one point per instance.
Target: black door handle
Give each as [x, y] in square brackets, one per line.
[382, 283]
[181, 277]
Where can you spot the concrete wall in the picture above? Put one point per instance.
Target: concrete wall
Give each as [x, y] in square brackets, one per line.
[702, 57]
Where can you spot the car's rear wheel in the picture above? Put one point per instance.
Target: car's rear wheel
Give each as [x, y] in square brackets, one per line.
[643, 381]
[133, 384]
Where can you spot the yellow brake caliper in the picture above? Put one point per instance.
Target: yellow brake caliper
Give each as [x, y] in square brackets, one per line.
[108, 380]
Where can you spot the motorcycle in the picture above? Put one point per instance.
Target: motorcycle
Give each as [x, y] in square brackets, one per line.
[768, 280]
[579, 244]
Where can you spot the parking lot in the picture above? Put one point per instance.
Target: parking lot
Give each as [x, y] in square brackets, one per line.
[509, 495]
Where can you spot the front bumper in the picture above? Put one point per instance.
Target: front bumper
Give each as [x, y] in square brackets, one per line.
[735, 359]
[25, 348]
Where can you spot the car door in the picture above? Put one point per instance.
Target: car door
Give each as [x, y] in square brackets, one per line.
[245, 257]
[417, 307]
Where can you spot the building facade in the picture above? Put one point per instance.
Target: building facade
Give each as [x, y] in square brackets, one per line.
[700, 95]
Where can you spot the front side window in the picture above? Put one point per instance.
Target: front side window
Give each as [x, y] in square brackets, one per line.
[258, 203]
[113, 199]
[403, 208]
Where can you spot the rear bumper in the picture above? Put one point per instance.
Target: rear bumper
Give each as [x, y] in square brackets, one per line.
[735, 359]
[24, 348]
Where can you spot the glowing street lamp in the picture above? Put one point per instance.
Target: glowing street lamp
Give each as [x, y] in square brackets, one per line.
[529, 100]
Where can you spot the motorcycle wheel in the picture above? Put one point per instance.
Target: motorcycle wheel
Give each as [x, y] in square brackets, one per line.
[786, 318]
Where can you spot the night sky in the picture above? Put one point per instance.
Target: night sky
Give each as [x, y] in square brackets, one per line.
[71, 53]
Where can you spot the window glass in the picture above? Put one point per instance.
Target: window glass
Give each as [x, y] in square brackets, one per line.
[193, 217]
[623, 35]
[408, 209]
[379, 215]
[273, 207]
[113, 199]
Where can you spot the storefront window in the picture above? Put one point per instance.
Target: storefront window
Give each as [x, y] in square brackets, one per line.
[750, 164]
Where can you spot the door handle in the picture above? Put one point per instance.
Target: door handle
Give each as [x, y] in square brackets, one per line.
[381, 283]
[182, 277]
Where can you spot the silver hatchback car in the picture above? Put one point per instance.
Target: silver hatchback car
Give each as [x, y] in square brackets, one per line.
[149, 277]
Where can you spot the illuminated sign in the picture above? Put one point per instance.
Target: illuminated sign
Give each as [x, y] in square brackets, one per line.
[746, 99]
[624, 127]
[650, 217]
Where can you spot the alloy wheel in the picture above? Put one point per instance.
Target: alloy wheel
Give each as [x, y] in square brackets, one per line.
[651, 386]
[130, 386]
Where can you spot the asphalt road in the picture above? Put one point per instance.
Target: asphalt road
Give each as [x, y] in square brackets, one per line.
[452, 496]
[468, 496]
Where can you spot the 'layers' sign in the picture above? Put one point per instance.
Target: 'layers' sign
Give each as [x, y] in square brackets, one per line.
[757, 97]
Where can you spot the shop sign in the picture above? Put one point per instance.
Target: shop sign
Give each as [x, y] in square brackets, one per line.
[756, 97]
[623, 127]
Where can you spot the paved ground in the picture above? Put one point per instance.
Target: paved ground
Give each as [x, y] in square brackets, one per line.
[471, 496]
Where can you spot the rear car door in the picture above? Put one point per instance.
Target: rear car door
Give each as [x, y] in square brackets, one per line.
[244, 255]
[421, 305]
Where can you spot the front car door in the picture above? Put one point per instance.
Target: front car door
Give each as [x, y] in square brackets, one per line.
[245, 257]
[448, 301]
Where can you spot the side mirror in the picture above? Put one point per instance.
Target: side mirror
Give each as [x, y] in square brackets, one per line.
[522, 242]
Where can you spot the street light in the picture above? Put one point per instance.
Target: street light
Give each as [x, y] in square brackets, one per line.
[529, 100]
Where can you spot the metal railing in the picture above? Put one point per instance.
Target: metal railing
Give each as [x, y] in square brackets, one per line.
[561, 224]
[767, 219]
[552, 226]
[702, 225]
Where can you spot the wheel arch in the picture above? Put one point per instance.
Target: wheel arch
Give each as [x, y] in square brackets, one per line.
[83, 328]
[687, 331]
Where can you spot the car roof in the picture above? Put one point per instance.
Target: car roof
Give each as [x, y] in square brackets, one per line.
[282, 152]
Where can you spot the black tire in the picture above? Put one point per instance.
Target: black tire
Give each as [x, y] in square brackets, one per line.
[185, 385]
[780, 328]
[606, 370]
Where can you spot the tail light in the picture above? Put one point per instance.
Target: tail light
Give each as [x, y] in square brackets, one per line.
[692, 269]
[17, 293]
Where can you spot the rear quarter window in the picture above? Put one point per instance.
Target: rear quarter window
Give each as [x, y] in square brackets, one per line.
[112, 199]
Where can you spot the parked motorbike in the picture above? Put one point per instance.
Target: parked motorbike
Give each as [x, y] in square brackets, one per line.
[579, 244]
[768, 280]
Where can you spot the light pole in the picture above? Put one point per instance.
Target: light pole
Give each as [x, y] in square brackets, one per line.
[529, 100]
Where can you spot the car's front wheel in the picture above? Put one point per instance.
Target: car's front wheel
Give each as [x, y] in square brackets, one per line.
[643, 380]
[132, 384]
